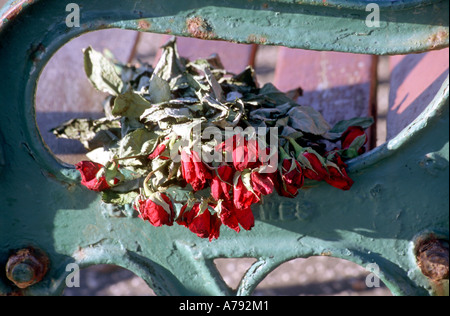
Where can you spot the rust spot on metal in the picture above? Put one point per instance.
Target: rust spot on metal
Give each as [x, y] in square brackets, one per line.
[257, 39]
[26, 267]
[144, 25]
[438, 39]
[14, 11]
[433, 259]
[199, 28]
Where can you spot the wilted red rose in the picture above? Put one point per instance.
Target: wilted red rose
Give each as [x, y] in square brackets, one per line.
[291, 178]
[157, 209]
[350, 136]
[244, 152]
[202, 223]
[222, 182]
[338, 176]
[232, 217]
[339, 179]
[193, 170]
[243, 197]
[262, 183]
[158, 151]
[88, 171]
[283, 190]
[318, 172]
[334, 157]
[292, 173]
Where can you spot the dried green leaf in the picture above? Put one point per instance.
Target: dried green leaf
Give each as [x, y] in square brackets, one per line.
[355, 146]
[118, 198]
[290, 132]
[308, 120]
[178, 194]
[140, 142]
[204, 66]
[130, 104]
[91, 133]
[180, 114]
[358, 142]
[158, 179]
[184, 129]
[129, 125]
[154, 114]
[159, 90]
[218, 112]
[271, 93]
[247, 77]
[170, 64]
[102, 72]
[200, 89]
[341, 126]
[101, 155]
[266, 114]
[349, 153]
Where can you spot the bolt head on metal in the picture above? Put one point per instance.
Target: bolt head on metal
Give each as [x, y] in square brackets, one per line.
[433, 259]
[27, 267]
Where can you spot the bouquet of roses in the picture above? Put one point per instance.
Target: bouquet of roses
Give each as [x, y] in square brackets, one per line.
[189, 143]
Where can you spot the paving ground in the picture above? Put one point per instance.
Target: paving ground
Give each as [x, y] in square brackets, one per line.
[317, 276]
[313, 276]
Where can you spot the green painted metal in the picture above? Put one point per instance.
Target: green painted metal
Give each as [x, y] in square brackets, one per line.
[400, 192]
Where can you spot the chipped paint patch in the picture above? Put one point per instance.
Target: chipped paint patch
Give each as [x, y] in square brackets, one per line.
[36, 52]
[144, 25]
[256, 39]
[79, 255]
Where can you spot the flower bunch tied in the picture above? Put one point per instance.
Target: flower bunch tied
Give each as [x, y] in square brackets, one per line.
[187, 143]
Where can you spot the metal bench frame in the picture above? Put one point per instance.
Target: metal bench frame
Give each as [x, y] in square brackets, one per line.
[399, 199]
